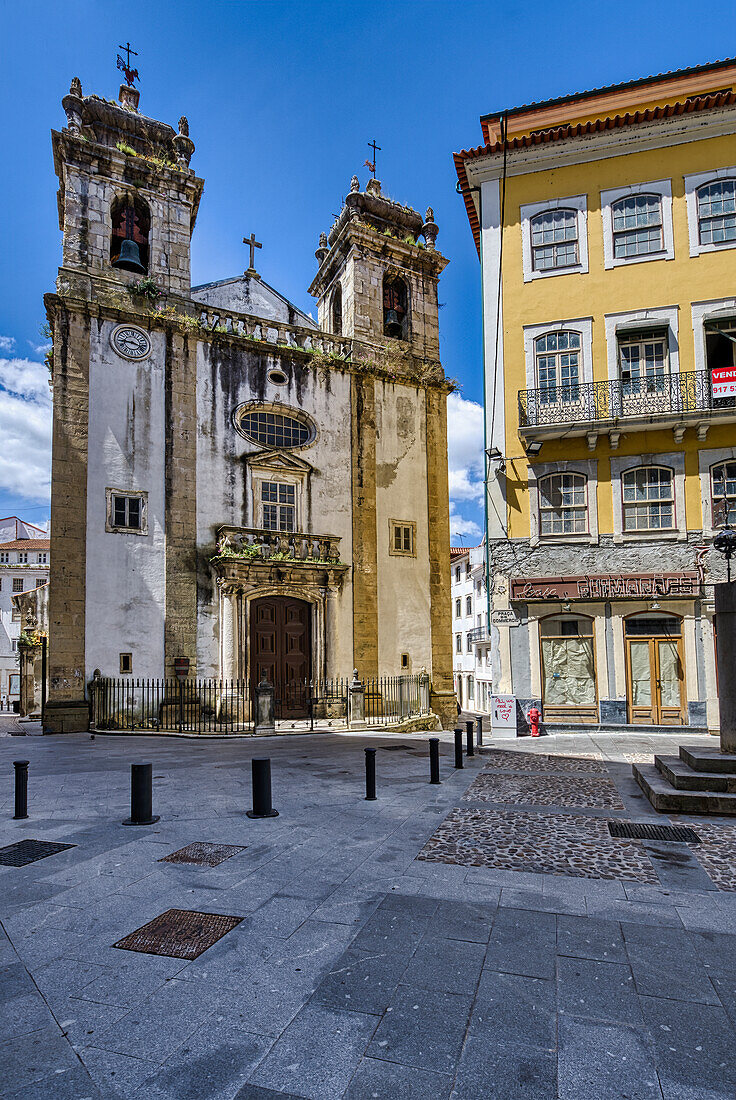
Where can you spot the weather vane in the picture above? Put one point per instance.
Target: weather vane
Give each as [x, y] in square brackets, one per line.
[124, 65]
[371, 164]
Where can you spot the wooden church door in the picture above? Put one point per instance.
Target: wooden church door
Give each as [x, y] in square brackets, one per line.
[280, 650]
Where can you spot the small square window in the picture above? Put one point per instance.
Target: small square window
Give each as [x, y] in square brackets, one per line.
[17, 584]
[126, 512]
[126, 663]
[404, 660]
[402, 538]
[40, 582]
[42, 559]
[4, 557]
[23, 557]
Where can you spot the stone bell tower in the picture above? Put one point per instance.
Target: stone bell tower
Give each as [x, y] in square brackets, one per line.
[378, 274]
[377, 287]
[127, 204]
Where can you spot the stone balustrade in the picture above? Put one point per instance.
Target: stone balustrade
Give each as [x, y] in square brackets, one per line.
[215, 319]
[257, 544]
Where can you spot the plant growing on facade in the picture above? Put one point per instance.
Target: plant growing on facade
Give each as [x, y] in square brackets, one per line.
[146, 288]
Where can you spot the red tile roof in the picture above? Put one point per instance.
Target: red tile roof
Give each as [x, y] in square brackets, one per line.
[561, 133]
[26, 544]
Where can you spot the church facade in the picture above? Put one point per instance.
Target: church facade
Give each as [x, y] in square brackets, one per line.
[233, 483]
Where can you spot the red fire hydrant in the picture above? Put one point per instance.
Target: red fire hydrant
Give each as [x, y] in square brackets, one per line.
[533, 714]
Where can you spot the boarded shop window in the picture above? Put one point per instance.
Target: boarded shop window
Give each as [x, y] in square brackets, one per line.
[568, 667]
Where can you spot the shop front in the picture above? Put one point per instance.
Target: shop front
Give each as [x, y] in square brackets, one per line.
[611, 651]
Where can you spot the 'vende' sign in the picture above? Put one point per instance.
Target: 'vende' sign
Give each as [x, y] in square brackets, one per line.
[723, 381]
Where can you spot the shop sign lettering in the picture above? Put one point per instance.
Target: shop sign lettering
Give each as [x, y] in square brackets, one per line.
[638, 586]
[723, 381]
[505, 618]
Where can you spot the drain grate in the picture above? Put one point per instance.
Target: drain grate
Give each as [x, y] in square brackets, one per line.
[203, 854]
[630, 830]
[28, 851]
[179, 933]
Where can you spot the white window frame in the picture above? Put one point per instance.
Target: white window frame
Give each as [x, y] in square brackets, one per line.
[708, 311]
[692, 183]
[676, 462]
[589, 469]
[706, 461]
[663, 188]
[644, 319]
[583, 325]
[110, 525]
[578, 203]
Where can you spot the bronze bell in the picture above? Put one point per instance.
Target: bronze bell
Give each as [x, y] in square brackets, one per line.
[393, 324]
[129, 258]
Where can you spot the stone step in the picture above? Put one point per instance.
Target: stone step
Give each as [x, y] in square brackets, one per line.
[708, 760]
[685, 778]
[666, 798]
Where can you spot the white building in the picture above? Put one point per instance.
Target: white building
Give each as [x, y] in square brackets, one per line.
[24, 564]
[471, 644]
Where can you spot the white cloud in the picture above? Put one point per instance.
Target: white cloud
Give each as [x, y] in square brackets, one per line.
[7, 343]
[25, 429]
[465, 460]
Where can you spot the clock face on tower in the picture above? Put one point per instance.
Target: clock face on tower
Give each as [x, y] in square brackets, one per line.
[130, 342]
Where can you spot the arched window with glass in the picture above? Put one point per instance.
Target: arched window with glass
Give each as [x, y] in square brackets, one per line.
[558, 367]
[554, 240]
[637, 226]
[717, 212]
[723, 493]
[563, 504]
[648, 500]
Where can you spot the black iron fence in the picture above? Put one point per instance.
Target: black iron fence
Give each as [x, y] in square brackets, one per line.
[650, 395]
[204, 705]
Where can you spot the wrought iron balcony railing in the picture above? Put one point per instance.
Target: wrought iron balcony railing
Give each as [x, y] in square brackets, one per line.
[642, 398]
[478, 634]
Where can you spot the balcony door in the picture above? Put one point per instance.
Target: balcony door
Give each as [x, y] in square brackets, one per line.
[280, 650]
[655, 670]
[644, 372]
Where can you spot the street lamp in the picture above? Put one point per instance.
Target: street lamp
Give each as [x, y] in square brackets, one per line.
[725, 543]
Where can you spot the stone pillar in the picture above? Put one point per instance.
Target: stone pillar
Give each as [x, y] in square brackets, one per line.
[67, 710]
[726, 655]
[443, 699]
[365, 549]
[228, 634]
[180, 627]
[265, 719]
[356, 719]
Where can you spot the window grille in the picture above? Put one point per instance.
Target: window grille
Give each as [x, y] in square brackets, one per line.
[275, 429]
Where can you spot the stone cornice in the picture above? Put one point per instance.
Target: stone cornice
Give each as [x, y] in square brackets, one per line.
[240, 573]
[356, 233]
[101, 298]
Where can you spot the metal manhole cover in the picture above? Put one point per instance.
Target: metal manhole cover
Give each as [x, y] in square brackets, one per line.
[179, 933]
[639, 831]
[28, 851]
[203, 854]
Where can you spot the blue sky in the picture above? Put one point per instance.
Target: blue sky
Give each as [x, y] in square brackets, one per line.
[282, 98]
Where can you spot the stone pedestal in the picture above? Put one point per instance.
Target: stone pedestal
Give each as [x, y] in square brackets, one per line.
[356, 703]
[66, 717]
[725, 595]
[265, 716]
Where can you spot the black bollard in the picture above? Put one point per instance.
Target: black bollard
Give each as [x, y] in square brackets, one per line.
[479, 730]
[21, 789]
[262, 805]
[434, 760]
[458, 748]
[141, 796]
[469, 733]
[370, 775]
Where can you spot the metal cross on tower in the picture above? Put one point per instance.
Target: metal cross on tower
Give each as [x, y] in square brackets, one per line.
[124, 65]
[253, 244]
[371, 164]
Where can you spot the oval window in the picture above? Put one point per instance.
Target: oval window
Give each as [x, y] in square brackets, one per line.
[274, 429]
[277, 377]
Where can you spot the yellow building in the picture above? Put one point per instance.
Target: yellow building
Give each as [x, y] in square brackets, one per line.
[606, 227]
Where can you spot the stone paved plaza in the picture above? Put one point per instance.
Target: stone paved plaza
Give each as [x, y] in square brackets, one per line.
[486, 938]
